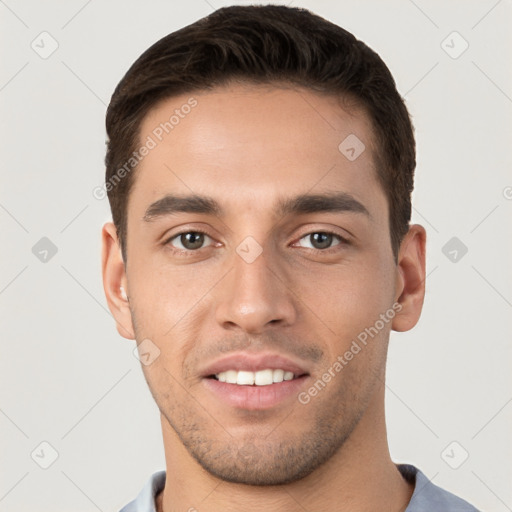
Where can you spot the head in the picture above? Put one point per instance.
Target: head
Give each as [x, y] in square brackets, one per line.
[259, 170]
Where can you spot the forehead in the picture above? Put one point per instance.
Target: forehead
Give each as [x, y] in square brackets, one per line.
[253, 143]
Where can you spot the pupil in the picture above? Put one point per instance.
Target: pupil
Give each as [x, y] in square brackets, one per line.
[192, 240]
[321, 240]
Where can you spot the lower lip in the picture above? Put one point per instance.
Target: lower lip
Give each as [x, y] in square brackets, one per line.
[255, 397]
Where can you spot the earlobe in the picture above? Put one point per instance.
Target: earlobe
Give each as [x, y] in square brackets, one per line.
[410, 279]
[115, 282]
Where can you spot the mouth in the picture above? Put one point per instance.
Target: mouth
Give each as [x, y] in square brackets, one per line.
[254, 381]
[265, 377]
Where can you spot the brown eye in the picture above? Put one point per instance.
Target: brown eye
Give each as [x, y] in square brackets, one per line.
[320, 240]
[189, 241]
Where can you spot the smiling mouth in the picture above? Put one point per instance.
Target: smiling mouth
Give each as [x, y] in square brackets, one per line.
[259, 378]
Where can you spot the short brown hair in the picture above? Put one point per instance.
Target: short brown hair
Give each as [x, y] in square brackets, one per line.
[264, 45]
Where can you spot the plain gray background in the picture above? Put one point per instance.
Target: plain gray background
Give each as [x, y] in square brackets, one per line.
[67, 377]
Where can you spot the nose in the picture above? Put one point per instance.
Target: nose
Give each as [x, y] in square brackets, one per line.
[255, 296]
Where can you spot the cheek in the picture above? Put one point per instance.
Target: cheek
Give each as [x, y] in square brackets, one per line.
[169, 307]
[347, 301]
[167, 296]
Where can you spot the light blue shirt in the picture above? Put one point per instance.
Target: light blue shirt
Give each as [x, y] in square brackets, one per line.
[427, 497]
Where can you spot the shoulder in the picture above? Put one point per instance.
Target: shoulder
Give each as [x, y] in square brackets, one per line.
[145, 501]
[428, 496]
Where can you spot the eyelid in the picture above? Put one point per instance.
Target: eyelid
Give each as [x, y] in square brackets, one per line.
[189, 227]
[341, 241]
[345, 238]
[168, 239]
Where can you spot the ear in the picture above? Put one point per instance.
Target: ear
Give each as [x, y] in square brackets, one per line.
[115, 283]
[410, 286]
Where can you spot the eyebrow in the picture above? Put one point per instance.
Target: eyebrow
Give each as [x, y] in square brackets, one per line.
[317, 203]
[171, 204]
[301, 204]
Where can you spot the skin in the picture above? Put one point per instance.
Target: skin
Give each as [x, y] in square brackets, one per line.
[248, 146]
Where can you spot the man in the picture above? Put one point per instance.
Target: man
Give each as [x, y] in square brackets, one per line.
[259, 170]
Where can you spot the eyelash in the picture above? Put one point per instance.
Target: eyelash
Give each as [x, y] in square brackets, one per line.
[187, 252]
[342, 241]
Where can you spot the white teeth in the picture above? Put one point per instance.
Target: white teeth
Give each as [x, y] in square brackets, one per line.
[278, 375]
[263, 378]
[230, 376]
[245, 378]
[259, 378]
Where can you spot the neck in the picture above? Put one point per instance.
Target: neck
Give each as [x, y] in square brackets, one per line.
[359, 477]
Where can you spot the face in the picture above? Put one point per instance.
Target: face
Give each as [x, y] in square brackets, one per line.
[258, 256]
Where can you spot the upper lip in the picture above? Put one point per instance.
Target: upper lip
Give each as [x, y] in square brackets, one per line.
[252, 362]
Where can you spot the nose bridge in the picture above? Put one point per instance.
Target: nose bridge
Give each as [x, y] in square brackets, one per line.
[254, 297]
[253, 279]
